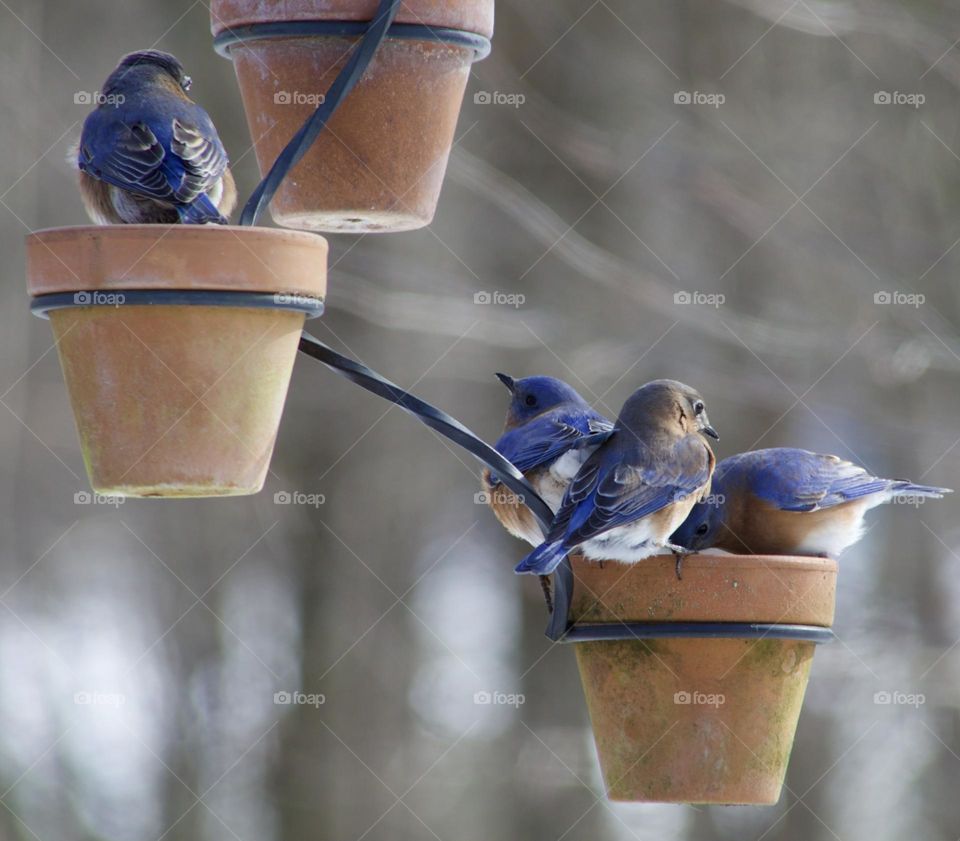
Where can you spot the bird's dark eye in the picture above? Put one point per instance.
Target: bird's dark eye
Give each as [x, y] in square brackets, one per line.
[702, 528]
[186, 82]
[530, 400]
[698, 407]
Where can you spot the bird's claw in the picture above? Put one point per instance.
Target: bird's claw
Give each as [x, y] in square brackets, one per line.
[679, 553]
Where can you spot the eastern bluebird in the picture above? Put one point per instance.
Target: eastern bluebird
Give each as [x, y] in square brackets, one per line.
[148, 153]
[634, 491]
[549, 432]
[786, 501]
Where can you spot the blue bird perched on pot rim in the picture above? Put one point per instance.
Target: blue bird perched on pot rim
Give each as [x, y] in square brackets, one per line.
[549, 432]
[785, 501]
[148, 153]
[638, 486]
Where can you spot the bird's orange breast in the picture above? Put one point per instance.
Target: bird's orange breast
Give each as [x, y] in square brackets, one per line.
[513, 515]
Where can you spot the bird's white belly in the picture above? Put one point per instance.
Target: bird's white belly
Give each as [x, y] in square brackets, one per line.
[627, 544]
[641, 539]
[553, 482]
[832, 535]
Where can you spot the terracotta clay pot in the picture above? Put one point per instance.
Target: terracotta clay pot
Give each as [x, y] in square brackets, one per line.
[698, 720]
[176, 400]
[379, 164]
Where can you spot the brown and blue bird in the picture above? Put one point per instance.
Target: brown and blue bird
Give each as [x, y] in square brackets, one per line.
[787, 501]
[148, 153]
[638, 486]
[549, 432]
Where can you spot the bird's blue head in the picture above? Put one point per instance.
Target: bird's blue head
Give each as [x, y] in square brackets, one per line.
[705, 526]
[147, 65]
[532, 396]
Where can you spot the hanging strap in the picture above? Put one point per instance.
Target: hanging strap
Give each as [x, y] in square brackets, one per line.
[450, 428]
[369, 379]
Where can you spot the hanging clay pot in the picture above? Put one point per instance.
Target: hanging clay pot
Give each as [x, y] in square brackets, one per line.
[380, 162]
[690, 718]
[177, 343]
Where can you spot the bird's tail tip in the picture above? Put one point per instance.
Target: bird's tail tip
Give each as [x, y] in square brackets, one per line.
[201, 212]
[543, 560]
[906, 488]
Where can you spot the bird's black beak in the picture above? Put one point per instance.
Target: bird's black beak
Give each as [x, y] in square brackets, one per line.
[709, 430]
[507, 381]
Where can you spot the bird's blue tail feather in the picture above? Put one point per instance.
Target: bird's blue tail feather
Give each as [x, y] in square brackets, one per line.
[920, 490]
[199, 212]
[543, 560]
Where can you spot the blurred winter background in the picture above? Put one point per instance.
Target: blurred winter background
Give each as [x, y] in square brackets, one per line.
[802, 213]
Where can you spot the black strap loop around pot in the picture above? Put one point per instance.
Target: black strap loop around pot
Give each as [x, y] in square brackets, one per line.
[352, 72]
[112, 298]
[480, 44]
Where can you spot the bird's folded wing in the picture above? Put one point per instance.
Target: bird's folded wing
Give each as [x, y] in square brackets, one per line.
[133, 158]
[546, 438]
[202, 156]
[127, 156]
[799, 480]
[610, 491]
[599, 424]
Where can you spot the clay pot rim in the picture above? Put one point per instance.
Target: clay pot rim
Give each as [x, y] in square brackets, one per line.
[214, 258]
[466, 15]
[744, 562]
[771, 589]
[63, 232]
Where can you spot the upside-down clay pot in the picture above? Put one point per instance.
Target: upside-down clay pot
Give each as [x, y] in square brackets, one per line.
[380, 162]
[698, 720]
[177, 400]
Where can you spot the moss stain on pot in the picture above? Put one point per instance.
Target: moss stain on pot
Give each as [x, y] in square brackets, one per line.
[698, 720]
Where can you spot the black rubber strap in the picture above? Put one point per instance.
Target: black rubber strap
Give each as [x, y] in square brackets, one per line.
[696, 630]
[349, 29]
[558, 603]
[448, 426]
[354, 69]
[113, 298]
[373, 34]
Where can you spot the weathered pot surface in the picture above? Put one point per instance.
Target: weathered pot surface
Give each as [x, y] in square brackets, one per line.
[697, 720]
[176, 400]
[379, 164]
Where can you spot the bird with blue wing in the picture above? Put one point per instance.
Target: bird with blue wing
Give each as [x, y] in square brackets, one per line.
[638, 486]
[549, 432]
[148, 154]
[786, 501]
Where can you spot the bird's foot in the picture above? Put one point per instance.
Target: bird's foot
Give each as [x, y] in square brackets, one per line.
[679, 553]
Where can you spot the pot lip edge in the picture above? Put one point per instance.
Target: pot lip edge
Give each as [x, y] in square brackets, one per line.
[799, 563]
[68, 232]
[220, 24]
